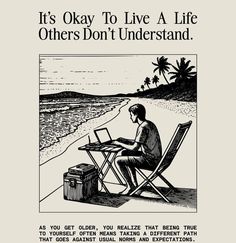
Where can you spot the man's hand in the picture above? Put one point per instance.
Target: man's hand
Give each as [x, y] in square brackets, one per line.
[115, 142]
[120, 139]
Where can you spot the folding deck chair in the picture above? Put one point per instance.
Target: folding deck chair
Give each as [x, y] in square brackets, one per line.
[165, 162]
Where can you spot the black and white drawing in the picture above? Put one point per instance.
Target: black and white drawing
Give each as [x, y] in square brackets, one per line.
[118, 133]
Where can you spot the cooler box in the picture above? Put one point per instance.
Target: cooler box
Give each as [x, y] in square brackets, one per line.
[80, 182]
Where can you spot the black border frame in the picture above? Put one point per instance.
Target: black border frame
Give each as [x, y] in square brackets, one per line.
[117, 55]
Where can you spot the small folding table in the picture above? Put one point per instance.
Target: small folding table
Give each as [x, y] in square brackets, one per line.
[109, 153]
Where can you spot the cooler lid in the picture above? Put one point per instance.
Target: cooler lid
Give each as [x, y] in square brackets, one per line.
[82, 168]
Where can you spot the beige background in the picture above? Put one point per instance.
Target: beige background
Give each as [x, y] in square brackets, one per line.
[213, 42]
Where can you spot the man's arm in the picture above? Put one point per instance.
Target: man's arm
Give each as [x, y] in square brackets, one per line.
[133, 147]
[125, 140]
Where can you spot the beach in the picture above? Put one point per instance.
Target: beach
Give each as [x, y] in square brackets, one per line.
[56, 159]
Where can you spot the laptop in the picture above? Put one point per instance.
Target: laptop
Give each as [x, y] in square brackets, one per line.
[103, 136]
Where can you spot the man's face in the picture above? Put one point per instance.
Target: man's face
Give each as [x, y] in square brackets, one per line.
[133, 117]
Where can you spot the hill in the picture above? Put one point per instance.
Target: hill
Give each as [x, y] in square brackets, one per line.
[65, 94]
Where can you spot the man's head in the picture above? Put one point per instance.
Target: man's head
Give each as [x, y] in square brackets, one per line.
[137, 111]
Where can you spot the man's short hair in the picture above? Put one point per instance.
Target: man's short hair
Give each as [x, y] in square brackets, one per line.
[138, 110]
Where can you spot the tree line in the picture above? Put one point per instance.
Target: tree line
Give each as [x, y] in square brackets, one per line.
[181, 72]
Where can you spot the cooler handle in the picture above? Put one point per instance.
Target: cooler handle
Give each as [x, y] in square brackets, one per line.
[72, 182]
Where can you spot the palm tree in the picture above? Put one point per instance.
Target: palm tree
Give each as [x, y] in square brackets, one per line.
[142, 87]
[155, 80]
[162, 65]
[183, 71]
[147, 81]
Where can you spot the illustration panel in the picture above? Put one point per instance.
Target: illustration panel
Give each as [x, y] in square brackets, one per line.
[118, 133]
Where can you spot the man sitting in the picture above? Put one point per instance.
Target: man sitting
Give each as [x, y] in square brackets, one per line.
[143, 152]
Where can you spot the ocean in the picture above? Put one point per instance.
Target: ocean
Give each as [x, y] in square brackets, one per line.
[58, 118]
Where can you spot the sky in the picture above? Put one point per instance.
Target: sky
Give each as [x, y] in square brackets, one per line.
[101, 74]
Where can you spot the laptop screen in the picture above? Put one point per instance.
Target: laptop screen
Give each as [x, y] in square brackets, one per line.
[102, 135]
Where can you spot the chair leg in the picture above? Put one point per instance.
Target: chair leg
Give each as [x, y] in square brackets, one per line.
[149, 181]
[167, 183]
[144, 183]
[158, 192]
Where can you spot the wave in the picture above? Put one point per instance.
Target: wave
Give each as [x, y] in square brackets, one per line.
[58, 120]
[54, 109]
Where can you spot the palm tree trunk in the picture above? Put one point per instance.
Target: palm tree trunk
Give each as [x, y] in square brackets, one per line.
[165, 77]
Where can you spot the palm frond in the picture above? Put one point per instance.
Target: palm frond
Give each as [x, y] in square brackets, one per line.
[175, 68]
[172, 77]
[193, 73]
[190, 68]
[155, 69]
[186, 64]
[178, 65]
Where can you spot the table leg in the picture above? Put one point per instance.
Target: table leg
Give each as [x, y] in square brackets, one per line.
[106, 160]
[94, 162]
[99, 172]
[110, 166]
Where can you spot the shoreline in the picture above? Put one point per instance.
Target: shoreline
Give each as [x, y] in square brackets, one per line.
[58, 148]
